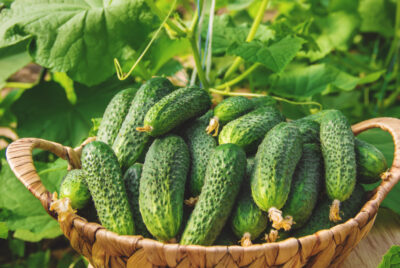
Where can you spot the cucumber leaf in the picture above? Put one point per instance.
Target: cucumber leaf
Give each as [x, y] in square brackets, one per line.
[3, 230]
[391, 259]
[377, 16]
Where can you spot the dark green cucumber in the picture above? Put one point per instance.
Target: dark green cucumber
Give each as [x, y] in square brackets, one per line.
[224, 176]
[200, 146]
[337, 144]
[309, 130]
[263, 101]
[74, 187]
[162, 186]
[249, 130]
[129, 144]
[132, 184]
[228, 110]
[275, 162]
[174, 109]
[249, 168]
[305, 185]
[371, 163]
[114, 115]
[319, 219]
[104, 179]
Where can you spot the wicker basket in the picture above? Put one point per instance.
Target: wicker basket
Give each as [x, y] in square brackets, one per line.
[107, 249]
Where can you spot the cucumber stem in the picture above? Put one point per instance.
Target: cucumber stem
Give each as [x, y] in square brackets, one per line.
[272, 236]
[213, 125]
[246, 240]
[191, 202]
[334, 211]
[275, 215]
[386, 175]
[144, 129]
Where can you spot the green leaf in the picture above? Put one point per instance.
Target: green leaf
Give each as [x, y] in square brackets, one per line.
[68, 85]
[371, 77]
[13, 58]
[30, 222]
[57, 119]
[78, 37]
[303, 82]
[3, 230]
[377, 16]
[39, 259]
[95, 127]
[275, 57]
[391, 259]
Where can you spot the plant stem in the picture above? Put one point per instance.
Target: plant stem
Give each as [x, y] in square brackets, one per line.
[227, 93]
[196, 56]
[19, 85]
[395, 44]
[250, 37]
[239, 77]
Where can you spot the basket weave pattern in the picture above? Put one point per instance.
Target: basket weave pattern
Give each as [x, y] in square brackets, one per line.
[107, 249]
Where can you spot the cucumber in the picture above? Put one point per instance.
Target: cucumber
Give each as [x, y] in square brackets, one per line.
[249, 130]
[200, 146]
[224, 176]
[305, 185]
[337, 144]
[129, 144]
[162, 186]
[132, 184]
[104, 179]
[371, 163]
[74, 187]
[309, 130]
[114, 115]
[275, 162]
[228, 110]
[249, 168]
[319, 219]
[174, 109]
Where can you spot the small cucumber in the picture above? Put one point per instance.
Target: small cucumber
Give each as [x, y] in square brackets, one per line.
[132, 184]
[104, 179]
[224, 175]
[162, 186]
[371, 163]
[74, 187]
[305, 186]
[275, 162]
[228, 110]
[114, 115]
[249, 130]
[129, 144]
[174, 109]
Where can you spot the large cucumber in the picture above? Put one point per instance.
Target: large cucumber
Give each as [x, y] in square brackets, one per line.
[309, 130]
[132, 184]
[104, 179]
[305, 186]
[114, 115]
[162, 186]
[249, 130]
[75, 188]
[224, 176]
[174, 109]
[228, 110]
[275, 162]
[129, 144]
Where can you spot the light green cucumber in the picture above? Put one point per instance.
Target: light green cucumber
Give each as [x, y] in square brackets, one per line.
[74, 187]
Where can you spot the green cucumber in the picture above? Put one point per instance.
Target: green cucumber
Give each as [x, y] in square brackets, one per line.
[309, 130]
[74, 187]
[228, 110]
[114, 115]
[337, 144]
[132, 183]
[371, 163]
[249, 130]
[305, 185]
[249, 168]
[200, 146]
[174, 109]
[319, 219]
[129, 144]
[162, 186]
[104, 179]
[224, 176]
[275, 163]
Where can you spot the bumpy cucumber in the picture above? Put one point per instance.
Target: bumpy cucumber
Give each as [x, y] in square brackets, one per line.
[371, 163]
[129, 144]
[224, 176]
[275, 162]
[200, 146]
[263, 101]
[319, 219]
[309, 130]
[114, 115]
[305, 185]
[104, 179]
[74, 187]
[228, 110]
[337, 144]
[162, 186]
[132, 184]
[248, 130]
[174, 109]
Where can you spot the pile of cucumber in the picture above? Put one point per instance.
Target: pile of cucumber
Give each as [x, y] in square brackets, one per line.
[166, 166]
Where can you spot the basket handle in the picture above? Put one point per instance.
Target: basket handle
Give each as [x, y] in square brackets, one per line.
[19, 157]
